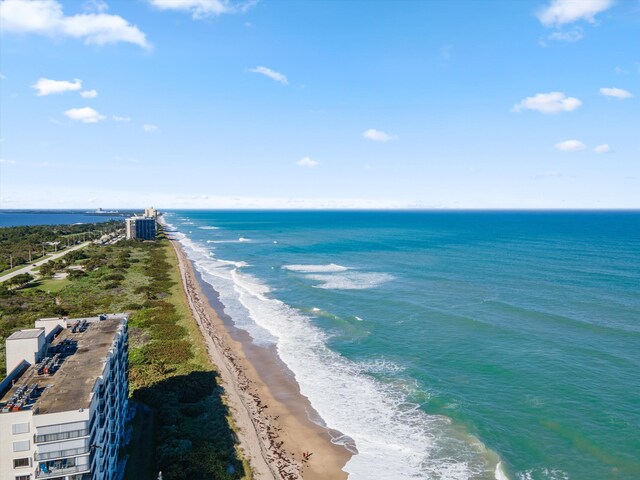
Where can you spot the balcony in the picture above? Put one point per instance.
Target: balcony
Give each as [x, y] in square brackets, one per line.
[54, 437]
[61, 453]
[51, 472]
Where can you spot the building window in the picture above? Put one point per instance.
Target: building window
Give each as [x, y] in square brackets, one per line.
[21, 462]
[19, 428]
[23, 477]
[21, 446]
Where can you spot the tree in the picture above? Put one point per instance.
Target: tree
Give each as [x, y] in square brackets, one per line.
[47, 269]
[75, 273]
[19, 280]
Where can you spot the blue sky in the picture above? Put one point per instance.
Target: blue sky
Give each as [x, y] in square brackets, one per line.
[320, 104]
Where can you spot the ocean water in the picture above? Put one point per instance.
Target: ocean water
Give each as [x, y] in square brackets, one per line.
[447, 345]
[14, 218]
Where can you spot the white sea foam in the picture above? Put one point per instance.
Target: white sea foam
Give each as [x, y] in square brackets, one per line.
[239, 240]
[235, 264]
[209, 227]
[395, 439]
[218, 273]
[499, 474]
[350, 280]
[543, 474]
[380, 366]
[168, 226]
[358, 318]
[331, 267]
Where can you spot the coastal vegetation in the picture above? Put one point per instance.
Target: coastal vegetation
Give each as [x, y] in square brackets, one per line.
[18, 281]
[24, 244]
[182, 426]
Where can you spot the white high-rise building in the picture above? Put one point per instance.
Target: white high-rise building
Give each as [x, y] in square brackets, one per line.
[151, 213]
[63, 404]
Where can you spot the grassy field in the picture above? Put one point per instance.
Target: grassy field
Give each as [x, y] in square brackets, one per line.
[52, 285]
[182, 427]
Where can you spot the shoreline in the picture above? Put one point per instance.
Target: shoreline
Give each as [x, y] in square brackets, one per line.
[270, 414]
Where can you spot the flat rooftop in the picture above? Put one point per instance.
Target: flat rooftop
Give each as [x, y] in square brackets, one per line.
[82, 358]
[29, 333]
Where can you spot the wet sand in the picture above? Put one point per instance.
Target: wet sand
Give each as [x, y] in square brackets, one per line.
[271, 416]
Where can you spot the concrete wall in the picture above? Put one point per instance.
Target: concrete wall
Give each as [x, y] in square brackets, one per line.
[51, 326]
[10, 422]
[131, 228]
[28, 349]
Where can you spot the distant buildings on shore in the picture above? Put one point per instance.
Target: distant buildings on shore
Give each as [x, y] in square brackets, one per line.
[63, 404]
[100, 211]
[143, 227]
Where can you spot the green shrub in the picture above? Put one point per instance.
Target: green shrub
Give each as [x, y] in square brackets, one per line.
[167, 331]
[169, 352]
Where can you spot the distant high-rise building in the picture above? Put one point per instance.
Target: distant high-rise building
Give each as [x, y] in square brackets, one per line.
[63, 404]
[143, 228]
[130, 227]
[151, 212]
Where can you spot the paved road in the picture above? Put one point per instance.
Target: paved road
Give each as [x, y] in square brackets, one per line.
[51, 256]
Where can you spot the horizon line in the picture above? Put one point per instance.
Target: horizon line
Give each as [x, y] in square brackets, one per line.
[325, 209]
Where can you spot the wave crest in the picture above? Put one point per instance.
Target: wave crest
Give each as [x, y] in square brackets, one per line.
[331, 267]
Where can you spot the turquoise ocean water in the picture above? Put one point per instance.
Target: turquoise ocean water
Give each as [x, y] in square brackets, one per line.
[447, 345]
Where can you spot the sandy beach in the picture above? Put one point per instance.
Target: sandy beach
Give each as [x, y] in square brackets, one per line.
[270, 414]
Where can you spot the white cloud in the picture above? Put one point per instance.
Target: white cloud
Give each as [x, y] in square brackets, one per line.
[571, 146]
[84, 115]
[552, 102]
[10, 162]
[149, 128]
[604, 148]
[377, 135]
[561, 12]
[204, 8]
[307, 162]
[45, 17]
[95, 6]
[48, 87]
[615, 92]
[89, 94]
[118, 118]
[272, 74]
[570, 36]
